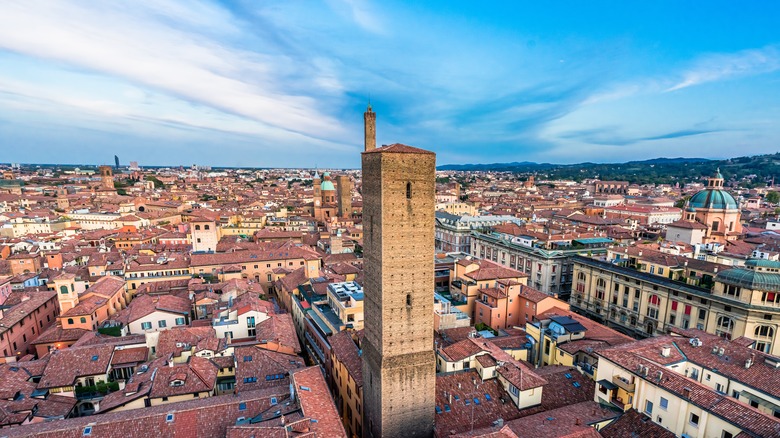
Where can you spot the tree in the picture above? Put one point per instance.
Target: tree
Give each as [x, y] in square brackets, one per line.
[157, 183]
[681, 202]
[772, 197]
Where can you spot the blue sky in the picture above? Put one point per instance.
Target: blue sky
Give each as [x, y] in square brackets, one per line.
[267, 83]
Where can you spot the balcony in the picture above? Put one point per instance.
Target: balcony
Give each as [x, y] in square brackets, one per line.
[485, 303]
[623, 383]
[620, 404]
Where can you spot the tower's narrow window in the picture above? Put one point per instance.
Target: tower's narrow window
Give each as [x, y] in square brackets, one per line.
[408, 300]
[408, 190]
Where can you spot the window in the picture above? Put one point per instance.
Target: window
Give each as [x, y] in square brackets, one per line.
[724, 326]
[242, 406]
[694, 419]
[87, 431]
[169, 418]
[197, 227]
[732, 290]
[408, 300]
[161, 323]
[146, 326]
[180, 321]
[664, 403]
[70, 320]
[250, 379]
[63, 289]
[247, 358]
[408, 190]
[83, 320]
[648, 407]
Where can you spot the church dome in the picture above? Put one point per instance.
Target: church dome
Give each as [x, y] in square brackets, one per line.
[327, 185]
[713, 199]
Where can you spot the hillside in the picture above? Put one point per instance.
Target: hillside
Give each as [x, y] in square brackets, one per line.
[747, 171]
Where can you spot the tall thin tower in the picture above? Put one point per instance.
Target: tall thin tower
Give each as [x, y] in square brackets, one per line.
[369, 129]
[399, 367]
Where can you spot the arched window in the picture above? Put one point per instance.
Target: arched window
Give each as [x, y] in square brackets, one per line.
[654, 300]
[83, 320]
[63, 289]
[205, 227]
[580, 276]
[70, 320]
[764, 331]
[601, 283]
[724, 326]
[408, 190]
[197, 227]
[764, 337]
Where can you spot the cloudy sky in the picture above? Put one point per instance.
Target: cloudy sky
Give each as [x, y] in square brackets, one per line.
[266, 83]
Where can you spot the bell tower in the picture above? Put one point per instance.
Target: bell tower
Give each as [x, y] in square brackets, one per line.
[107, 177]
[399, 366]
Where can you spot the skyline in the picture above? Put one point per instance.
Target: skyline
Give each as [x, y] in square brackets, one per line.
[286, 84]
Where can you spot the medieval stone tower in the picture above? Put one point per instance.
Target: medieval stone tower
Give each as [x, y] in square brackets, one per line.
[399, 368]
[106, 177]
[344, 187]
[369, 129]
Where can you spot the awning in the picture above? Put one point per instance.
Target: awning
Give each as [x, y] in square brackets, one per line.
[607, 384]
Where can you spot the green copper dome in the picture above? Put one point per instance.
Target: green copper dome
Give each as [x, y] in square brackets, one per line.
[327, 185]
[761, 263]
[713, 198]
[752, 279]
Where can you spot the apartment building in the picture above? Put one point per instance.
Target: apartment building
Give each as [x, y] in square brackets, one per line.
[548, 265]
[23, 317]
[742, 301]
[694, 385]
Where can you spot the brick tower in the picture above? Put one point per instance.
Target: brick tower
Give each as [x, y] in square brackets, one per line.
[399, 368]
[344, 187]
[369, 129]
[106, 177]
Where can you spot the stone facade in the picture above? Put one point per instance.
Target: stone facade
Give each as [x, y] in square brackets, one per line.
[399, 368]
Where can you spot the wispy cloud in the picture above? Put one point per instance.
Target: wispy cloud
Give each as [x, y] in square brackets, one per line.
[154, 47]
[361, 12]
[610, 136]
[722, 66]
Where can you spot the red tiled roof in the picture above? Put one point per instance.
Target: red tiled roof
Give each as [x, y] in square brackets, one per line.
[398, 148]
[345, 351]
[316, 402]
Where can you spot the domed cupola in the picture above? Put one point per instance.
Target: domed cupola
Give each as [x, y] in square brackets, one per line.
[713, 197]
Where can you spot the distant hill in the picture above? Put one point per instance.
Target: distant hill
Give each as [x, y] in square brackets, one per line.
[748, 171]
